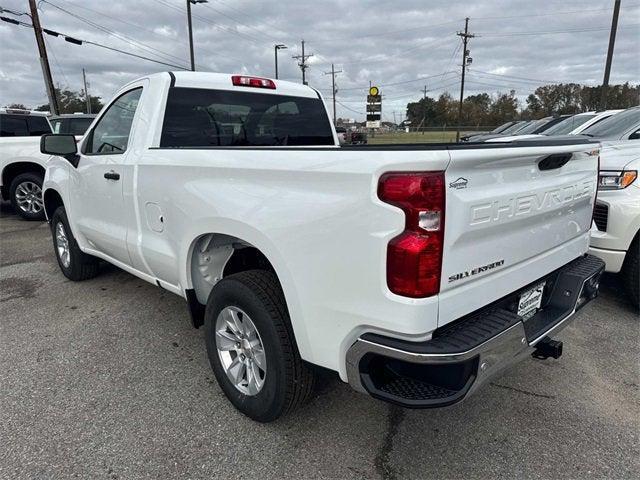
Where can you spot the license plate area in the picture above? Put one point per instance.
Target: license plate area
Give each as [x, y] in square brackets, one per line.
[530, 301]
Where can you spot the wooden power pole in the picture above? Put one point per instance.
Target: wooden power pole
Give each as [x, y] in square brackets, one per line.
[612, 42]
[303, 63]
[44, 60]
[86, 92]
[465, 53]
[333, 74]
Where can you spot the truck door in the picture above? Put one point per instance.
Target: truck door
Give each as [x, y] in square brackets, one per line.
[97, 190]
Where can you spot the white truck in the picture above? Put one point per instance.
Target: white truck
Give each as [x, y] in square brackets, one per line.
[414, 272]
[22, 166]
[615, 235]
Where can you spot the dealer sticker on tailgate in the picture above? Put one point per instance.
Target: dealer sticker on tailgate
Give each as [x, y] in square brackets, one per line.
[530, 301]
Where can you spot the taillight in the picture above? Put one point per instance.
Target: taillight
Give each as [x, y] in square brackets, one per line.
[414, 258]
[256, 82]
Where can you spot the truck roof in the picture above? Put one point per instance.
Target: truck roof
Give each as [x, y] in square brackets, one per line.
[222, 81]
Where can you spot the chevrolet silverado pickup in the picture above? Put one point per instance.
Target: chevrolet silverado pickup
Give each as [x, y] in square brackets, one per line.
[22, 165]
[414, 272]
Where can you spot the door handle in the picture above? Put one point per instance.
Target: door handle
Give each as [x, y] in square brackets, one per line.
[112, 175]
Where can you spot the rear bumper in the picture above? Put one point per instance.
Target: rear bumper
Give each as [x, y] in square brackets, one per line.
[612, 258]
[465, 354]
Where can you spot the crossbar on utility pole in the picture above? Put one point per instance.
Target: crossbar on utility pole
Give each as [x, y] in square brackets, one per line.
[44, 60]
[303, 63]
[612, 42]
[465, 53]
[333, 74]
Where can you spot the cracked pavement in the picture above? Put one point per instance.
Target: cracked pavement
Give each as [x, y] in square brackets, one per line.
[106, 379]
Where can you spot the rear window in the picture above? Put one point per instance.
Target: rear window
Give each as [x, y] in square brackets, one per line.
[197, 117]
[38, 125]
[13, 126]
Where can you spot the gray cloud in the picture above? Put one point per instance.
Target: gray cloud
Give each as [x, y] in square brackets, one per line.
[386, 42]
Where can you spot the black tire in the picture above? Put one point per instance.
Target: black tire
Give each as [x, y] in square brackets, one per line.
[631, 273]
[288, 381]
[27, 179]
[81, 266]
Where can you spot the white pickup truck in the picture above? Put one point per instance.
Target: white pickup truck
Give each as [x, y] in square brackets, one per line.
[22, 165]
[414, 272]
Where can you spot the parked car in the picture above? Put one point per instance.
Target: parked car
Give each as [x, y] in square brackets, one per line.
[75, 124]
[356, 137]
[512, 130]
[341, 132]
[499, 129]
[575, 124]
[15, 122]
[616, 217]
[234, 193]
[621, 126]
[22, 166]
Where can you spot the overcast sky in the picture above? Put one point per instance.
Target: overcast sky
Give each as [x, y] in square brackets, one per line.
[399, 45]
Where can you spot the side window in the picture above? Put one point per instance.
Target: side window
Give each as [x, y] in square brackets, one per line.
[111, 133]
[13, 126]
[38, 126]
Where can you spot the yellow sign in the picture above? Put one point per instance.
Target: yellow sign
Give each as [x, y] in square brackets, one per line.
[374, 91]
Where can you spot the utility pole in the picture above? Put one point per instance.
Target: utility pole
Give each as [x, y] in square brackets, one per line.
[424, 92]
[86, 92]
[44, 60]
[333, 74]
[276, 48]
[465, 54]
[303, 63]
[612, 42]
[189, 2]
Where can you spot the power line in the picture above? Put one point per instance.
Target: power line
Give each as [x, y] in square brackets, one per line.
[77, 41]
[509, 77]
[240, 23]
[120, 36]
[551, 32]
[552, 14]
[214, 24]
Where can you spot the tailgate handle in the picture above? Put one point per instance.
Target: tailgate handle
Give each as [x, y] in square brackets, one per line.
[554, 161]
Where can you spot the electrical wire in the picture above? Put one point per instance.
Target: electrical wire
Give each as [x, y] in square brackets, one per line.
[122, 37]
[77, 41]
[552, 32]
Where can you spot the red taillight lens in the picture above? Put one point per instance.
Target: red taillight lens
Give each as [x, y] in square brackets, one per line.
[414, 258]
[256, 82]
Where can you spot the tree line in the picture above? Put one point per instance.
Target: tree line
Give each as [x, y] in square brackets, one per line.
[69, 101]
[487, 110]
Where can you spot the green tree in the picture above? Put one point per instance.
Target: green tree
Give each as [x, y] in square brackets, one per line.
[70, 101]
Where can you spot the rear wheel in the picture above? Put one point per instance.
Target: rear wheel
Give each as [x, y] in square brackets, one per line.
[631, 273]
[25, 194]
[251, 346]
[74, 263]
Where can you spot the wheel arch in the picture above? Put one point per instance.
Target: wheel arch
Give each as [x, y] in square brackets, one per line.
[233, 250]
[52, 200]
[13, 169]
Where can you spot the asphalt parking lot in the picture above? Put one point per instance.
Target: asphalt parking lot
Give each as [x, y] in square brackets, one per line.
[106, 379]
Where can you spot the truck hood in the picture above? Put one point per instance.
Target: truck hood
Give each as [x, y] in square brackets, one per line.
[618, 155]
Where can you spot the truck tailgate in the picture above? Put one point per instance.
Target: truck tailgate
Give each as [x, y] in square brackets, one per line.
[507, 207]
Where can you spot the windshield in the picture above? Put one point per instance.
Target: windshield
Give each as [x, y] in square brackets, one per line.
[514, 127]
[569, 124]
[616, 125]
[532, 126]
[502, 127]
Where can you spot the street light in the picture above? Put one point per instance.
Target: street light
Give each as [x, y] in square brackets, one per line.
[276, 48]
[189, 2]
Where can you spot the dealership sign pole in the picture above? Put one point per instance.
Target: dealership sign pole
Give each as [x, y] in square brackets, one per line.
[374, 108]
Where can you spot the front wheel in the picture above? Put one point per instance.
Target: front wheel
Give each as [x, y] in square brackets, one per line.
[251, 346]
[74, 263]
[25, 193]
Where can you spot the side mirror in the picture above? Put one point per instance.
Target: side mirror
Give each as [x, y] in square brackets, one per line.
[61, 145]
[635, 135]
